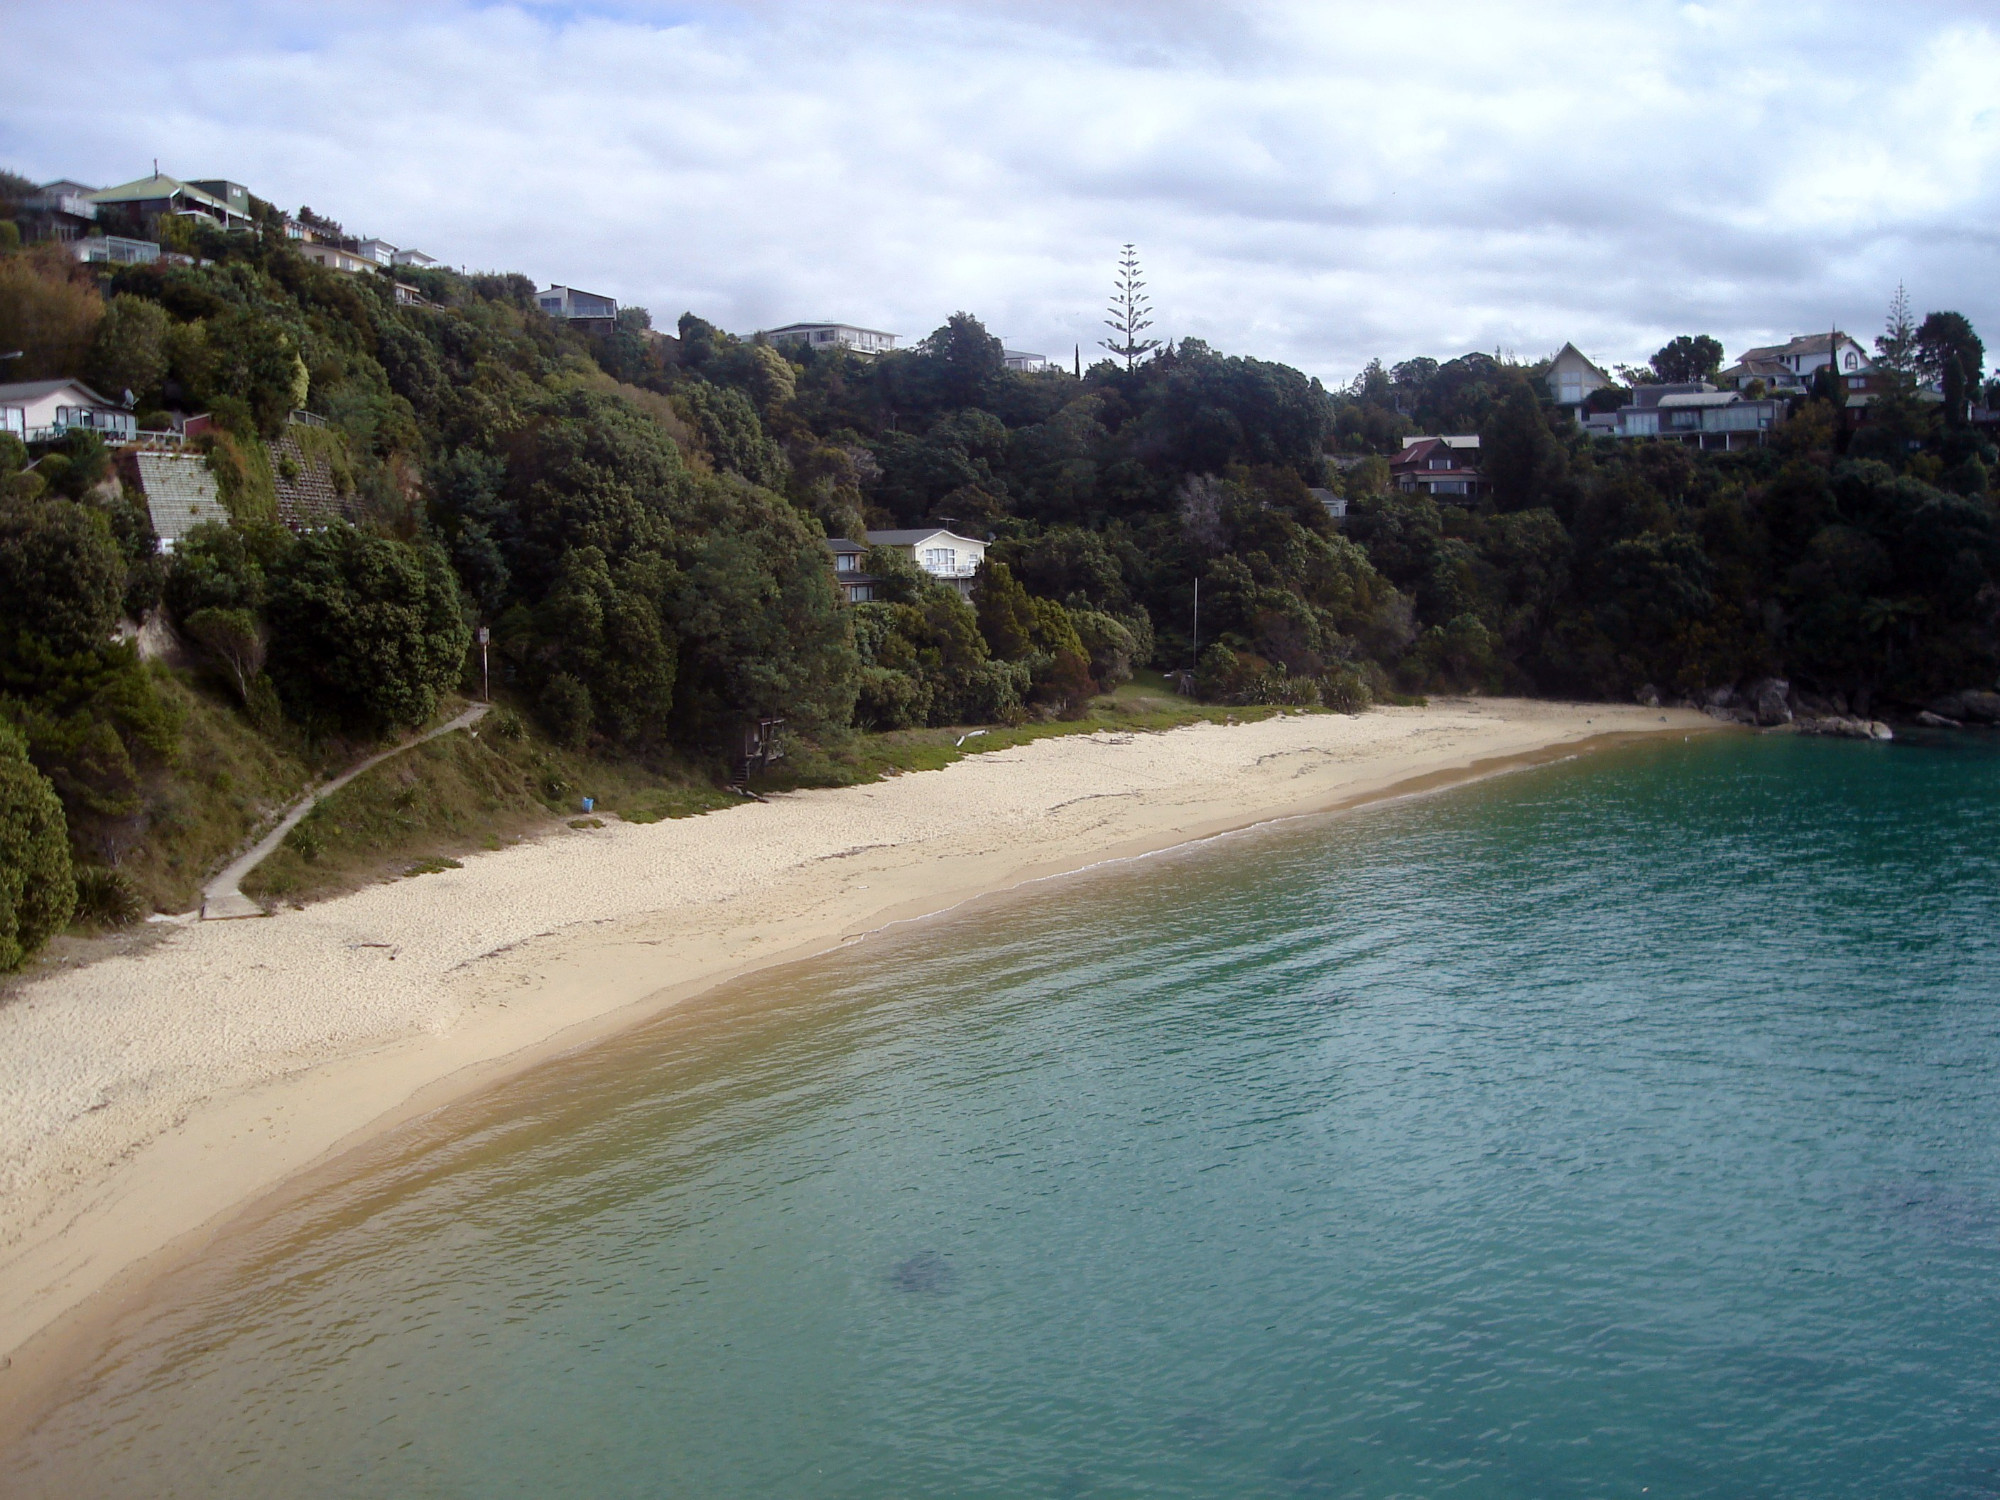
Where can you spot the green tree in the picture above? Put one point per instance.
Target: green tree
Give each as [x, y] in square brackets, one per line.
[1687, 358]
[62, 578]
[1949, 352]
[968, 358]
[234, 639]
[600, 629]
[367, 630]
[49, 311]
[1896, 346]
[37, 885]
[1005, 613]
[1130, 312]
[129, 352]
[1524, 463]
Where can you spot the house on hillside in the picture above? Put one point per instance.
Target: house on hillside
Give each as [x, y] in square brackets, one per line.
[831, 336]
[151, 199]
[1020, 359]
[942, 553]
[415, 258]
[587, 310]
[1571, 378]
[60, 212]
[114, 250]
[335, 256]
[1790, 366]
[1695, 414]
[39, 411]
[1445, 468]
[856, 584]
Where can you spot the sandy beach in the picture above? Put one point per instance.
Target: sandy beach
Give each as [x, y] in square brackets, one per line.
[146, 1099]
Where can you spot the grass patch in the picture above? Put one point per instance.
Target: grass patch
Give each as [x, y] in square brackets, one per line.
[417, 811]
[227, 781]
[1145, 705]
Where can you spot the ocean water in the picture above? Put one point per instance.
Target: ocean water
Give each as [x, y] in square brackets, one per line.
[1629, 1126]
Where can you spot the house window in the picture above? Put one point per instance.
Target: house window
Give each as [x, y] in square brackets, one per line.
[1850, 359]
[1448, 487]
[939, 559]
[843, 562]
[1572, 389]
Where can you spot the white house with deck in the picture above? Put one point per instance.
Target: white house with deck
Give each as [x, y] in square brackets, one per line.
[39, 411]
[831, 336]
[942, 553]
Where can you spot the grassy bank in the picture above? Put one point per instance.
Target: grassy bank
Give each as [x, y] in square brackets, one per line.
[1145, 704]
[417, 812]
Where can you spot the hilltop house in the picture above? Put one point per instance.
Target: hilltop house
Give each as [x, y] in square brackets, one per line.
[59, 212]
[587, 310]
[1020, 359]
[1790, 366]
[939, 552]
[335, 256]
[831, 336]
[1696, 414]
[1571, 378]
[1445, 468]
[150, 199]
[37, 411]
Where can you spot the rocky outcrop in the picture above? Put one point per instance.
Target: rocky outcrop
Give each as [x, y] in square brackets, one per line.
[1843, 727]
[1955, 710]
[1771, 701]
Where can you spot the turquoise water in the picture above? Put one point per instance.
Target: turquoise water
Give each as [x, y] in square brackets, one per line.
[1622, 1127]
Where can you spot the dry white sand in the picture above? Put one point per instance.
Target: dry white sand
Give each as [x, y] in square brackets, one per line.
[143, 1098]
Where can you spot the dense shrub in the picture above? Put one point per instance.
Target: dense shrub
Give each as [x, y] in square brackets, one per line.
[37, 892]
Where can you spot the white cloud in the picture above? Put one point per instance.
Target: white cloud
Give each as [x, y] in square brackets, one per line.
[1317, 183]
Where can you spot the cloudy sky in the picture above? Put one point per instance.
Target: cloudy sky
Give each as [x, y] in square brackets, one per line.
[1317, 183]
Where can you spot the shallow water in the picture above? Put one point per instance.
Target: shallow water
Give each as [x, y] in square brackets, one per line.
[1624, 1126]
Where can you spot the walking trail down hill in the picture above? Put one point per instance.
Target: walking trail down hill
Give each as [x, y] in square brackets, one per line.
[223, 897]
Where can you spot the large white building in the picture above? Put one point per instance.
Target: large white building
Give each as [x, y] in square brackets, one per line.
[832, 336]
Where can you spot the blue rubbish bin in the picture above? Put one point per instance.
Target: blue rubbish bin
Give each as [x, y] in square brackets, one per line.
[589, 803]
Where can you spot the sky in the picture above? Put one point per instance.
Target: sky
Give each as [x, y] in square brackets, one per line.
[1320, 184]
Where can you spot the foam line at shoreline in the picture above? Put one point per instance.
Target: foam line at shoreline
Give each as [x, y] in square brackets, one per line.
[146, 1102]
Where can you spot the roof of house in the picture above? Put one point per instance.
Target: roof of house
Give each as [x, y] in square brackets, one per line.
[920, 534]
[1805, 343]
[1699, 398]
[850, 327]
[842, 544]
[34, 390]
[159, 185]
[1595, 368]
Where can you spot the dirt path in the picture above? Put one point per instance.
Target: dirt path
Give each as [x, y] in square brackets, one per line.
[222, 898]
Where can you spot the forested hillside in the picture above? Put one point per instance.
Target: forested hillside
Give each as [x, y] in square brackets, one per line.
[639, 519]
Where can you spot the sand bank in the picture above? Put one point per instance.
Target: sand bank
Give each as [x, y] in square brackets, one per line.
[144, 1098]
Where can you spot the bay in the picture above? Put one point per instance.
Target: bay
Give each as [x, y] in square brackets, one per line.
[1623, 1126]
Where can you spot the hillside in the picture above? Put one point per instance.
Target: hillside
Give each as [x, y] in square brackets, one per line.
[639, 519]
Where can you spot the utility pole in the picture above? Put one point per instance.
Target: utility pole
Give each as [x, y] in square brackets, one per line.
[1197, 623]
[485, 677]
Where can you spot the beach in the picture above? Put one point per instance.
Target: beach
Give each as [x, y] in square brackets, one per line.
[145, 1099]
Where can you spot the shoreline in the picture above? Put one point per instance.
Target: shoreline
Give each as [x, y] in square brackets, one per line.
[147, 1102]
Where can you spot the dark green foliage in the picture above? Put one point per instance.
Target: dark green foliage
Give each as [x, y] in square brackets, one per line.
[1524, 464]
[37, 892]
[1688, 358]
[368, 631]
[62, 578]
[1005, 613]
[106, 897]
